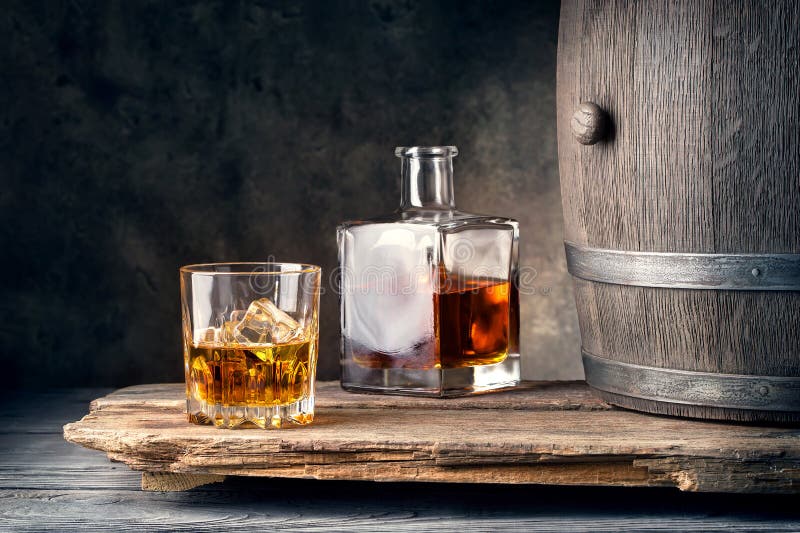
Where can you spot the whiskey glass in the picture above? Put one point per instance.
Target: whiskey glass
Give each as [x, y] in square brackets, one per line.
[428, 294]
[250, 339]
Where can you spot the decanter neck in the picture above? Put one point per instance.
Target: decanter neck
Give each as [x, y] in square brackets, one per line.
[427, 177]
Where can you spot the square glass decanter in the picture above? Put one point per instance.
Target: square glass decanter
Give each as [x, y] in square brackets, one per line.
[429, 299]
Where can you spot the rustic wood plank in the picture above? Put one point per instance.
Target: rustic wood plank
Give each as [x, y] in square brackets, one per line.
[49, 484]
[34, 455]
[323, 507]
[531, 395]
[315, 506]
[172, 482]
[46, 461]
[383, 438]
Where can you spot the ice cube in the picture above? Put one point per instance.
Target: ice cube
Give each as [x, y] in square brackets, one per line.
[226, 332]
[206, 335]
[265, 323]
[237, 315]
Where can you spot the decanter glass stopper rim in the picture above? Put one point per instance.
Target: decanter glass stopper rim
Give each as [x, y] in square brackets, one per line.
[426, 151]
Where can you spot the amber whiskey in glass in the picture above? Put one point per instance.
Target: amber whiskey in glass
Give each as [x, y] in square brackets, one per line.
[428, 294]
[250, 343]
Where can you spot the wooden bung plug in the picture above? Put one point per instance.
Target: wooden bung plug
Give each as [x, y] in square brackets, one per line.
[589, 123]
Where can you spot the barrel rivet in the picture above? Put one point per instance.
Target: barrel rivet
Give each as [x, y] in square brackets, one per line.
[755, 272]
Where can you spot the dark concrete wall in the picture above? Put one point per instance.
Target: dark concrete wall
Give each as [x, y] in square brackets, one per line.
[139, 136]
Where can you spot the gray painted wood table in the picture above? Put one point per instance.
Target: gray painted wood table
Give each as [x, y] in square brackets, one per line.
[49, 484]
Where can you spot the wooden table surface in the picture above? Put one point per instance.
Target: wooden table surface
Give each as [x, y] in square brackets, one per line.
[47, 483]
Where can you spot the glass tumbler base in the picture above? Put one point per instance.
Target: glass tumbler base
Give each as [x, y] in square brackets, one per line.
[436, 383]
[300, 413]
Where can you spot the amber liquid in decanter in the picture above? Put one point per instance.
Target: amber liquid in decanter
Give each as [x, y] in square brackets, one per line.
[472, 328]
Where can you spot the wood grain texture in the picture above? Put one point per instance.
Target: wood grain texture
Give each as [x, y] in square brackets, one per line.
[704, 98]
[545, 395]
[527, 437]
[288, 505]
[173, 482]
[704, 101]
[48, 484]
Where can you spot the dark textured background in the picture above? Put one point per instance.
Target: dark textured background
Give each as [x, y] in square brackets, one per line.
[139, 136]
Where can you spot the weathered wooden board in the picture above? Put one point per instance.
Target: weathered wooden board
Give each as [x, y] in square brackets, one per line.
[48, 484]
[545, 433]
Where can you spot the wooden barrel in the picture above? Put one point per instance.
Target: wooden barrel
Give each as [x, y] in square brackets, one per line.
[679, 152]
